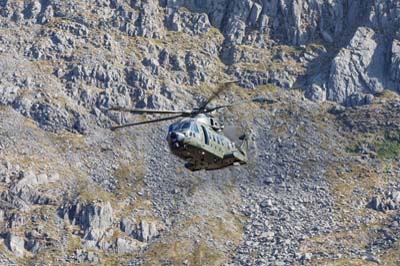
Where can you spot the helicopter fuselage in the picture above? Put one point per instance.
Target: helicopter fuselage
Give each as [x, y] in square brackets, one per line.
[197, 141]
[197, 137]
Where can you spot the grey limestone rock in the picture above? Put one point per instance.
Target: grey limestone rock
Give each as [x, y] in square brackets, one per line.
[149, 23]
[129, 227]
[148, 230]
[94, 219]
[358, 99]
[357, 68]
[337, 109]
[388, 201]
[395, 61]
[188, 22]
[28, 188]
[125, 245]
[15, 244]
[82, 256]
[316, 93]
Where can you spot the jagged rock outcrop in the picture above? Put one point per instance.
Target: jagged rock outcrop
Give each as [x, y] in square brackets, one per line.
[94, 219]
[97, 223]
[27, 188]
[358, 68]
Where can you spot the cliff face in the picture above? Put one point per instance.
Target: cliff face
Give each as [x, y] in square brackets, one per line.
[132, 49]
[71, 191]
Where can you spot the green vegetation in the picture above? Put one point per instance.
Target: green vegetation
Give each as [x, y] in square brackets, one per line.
[389, 149]
[386, 147]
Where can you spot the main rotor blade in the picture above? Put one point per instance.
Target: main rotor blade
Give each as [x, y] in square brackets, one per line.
[149, 111]
[220, 89]
[254, 100]
[145, 122]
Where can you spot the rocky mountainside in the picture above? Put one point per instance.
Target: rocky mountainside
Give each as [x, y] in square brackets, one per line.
[323, 183]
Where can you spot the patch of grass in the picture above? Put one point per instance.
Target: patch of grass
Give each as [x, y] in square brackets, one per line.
[74, 244]
[392, 256]
[386, 146]
[205, 255]
[389, 149]
[90, 192]
[116, 259]
[130, 178]
[66, 141]
[388, 95]
[291, 49]
[175, 252]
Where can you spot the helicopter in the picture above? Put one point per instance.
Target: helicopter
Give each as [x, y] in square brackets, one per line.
[197, 137]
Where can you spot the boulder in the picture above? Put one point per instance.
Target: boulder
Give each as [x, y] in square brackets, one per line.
[15, 244]
[96, 219]
[125, 245]
[358, 99]
[375, 204]
[148, 230]
[129, 227]
[316, 94]
[337, 109]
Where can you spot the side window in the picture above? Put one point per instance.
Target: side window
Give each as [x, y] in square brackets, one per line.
[186, 126]
[206, 140]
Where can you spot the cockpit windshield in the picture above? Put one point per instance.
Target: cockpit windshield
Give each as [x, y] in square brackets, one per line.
[184, 126]
[173, 127]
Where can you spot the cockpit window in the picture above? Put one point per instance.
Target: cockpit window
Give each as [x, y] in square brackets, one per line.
[186, 126]
[172, 128]
[195, 128]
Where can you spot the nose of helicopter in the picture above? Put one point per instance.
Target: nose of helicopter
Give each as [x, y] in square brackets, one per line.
[175, 138]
